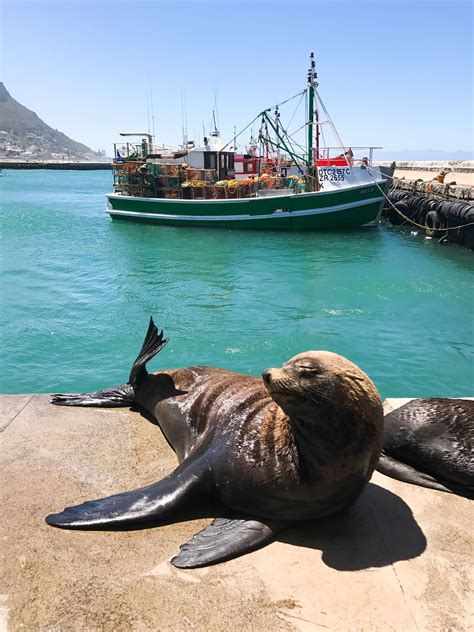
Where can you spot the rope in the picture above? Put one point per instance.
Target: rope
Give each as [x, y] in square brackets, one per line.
[272, 107]
[296, 109]
[330, 121]
[237, 135]
[408, 219]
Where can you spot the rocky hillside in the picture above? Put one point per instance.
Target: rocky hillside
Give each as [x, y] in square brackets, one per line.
[24, 136]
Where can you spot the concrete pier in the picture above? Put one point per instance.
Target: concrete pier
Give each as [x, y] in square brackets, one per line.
[398, 560]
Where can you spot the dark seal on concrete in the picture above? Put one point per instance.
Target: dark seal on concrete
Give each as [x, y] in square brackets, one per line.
[430, 442]
[300, 444]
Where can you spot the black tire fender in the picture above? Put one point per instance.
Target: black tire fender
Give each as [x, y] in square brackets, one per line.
[432, 223]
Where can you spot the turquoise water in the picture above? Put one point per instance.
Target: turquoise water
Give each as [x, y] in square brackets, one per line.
[78, 289]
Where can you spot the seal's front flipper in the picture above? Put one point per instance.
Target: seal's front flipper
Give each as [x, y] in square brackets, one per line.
[115, 397]
[224, 539]
[147, 504]
[403, 472]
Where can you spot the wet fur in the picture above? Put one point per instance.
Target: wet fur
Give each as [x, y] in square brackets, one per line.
[300, 444]
[430, 442]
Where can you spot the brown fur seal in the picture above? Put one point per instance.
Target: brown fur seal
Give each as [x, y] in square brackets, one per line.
[430, 442]
[300, 444]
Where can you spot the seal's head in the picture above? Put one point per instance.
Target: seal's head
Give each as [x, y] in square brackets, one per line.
[315, 376]
[322, 384]
[334, 417]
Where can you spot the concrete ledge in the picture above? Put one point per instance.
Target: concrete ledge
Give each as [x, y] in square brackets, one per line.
[398, 560]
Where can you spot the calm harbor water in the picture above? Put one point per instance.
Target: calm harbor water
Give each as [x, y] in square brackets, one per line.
[78, 289]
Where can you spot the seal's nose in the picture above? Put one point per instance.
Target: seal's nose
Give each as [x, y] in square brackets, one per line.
[267, 376]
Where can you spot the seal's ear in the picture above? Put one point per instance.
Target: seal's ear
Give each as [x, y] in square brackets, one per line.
[152, 344]
[224, 539]
[354, 376]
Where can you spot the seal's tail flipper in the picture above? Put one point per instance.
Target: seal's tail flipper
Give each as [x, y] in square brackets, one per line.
[224, 539]
[119, 395]
[152, 344]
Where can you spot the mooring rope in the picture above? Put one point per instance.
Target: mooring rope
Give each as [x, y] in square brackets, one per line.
[408, 219]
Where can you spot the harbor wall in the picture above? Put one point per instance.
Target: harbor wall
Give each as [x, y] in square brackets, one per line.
[435, 213]
[453, 166]
[73, 166]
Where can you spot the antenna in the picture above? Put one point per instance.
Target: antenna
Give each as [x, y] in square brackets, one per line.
[182, 118]
[216, 90]
[148, 112]
[215, 131]
[185, 119]
[152, 113]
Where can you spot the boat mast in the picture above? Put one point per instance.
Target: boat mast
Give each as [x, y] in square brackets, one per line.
[312, 172]
[277, 123]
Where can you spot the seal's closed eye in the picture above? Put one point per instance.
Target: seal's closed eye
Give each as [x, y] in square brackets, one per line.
[309, 368]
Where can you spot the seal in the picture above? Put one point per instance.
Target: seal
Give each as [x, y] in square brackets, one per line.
[299, 443]
[430, 442]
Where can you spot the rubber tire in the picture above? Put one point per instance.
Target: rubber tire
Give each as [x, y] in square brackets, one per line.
[432, 223]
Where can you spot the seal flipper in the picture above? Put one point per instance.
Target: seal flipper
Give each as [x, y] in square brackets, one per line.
[124, 395]
[115, 397]
[407, 474]
[224, 539]
[152, 344]
[146, 504]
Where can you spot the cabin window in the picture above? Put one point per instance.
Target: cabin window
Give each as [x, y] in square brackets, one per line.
[210, 161]
[248, 167]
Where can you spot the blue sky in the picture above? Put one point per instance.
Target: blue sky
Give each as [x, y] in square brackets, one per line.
[392, 73]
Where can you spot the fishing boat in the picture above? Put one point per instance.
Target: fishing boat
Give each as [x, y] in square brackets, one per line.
[279, 184]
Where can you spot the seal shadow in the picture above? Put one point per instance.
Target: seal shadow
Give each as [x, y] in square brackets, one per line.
[378, 530]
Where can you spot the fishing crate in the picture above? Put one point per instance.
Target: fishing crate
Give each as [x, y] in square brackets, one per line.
[187, 193]
[198, 193]
[209, 192]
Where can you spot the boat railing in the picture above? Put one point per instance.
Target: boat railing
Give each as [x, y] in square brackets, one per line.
[140, 151]
[346, 153]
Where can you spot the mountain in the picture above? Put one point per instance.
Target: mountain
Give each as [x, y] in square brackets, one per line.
[24, 136]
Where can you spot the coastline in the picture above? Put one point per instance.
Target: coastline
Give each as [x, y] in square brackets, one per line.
[70, 166]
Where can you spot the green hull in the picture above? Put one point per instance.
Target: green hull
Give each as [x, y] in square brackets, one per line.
[351, 207]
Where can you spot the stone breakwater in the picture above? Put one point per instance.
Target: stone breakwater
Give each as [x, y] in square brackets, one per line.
[72, 166]
[453, 166]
